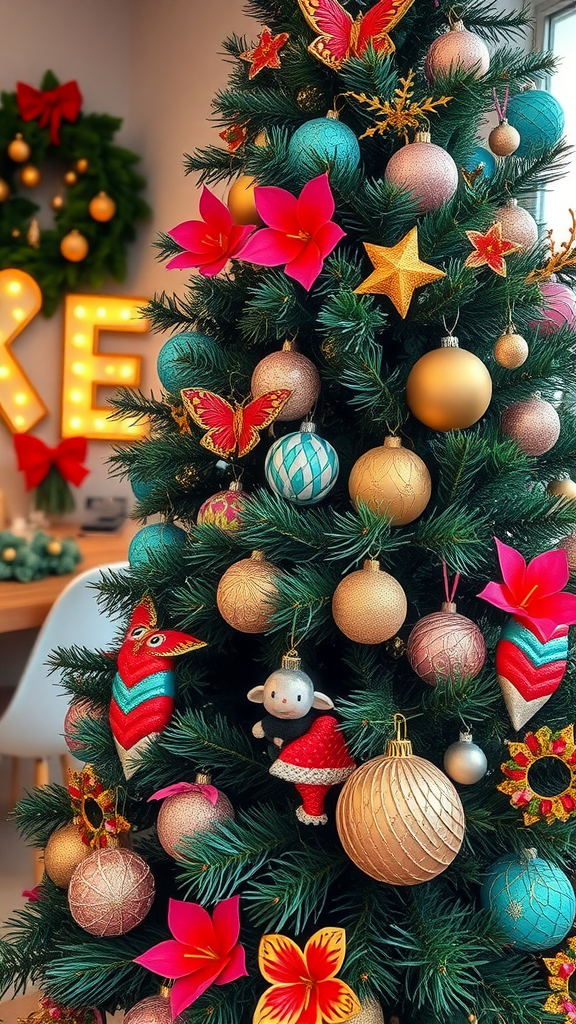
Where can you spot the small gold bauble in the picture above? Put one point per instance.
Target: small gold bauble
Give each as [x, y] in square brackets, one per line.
[29, 176]
[81, 165]
[19, 150]
[562, 489]
[504, 139]
[9, 554]
[261, 139]
[247, 592]
[74, 246]
[393, 482]
[102, 208]
[57, 202]
[15, 232]
[54, 547]
[4, 190]
[448, 388]
[241, 201]
[369, 606]
[511, 350]
[64, 851]
[70, 177]
[568, 544]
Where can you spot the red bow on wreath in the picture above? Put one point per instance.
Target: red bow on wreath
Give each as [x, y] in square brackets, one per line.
[50, 106]
[36, 458]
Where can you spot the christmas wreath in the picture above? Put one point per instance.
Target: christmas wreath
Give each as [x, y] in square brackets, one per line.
[94, 209]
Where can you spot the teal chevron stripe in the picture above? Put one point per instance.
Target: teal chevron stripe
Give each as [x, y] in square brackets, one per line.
[161, 684]
[536, 651]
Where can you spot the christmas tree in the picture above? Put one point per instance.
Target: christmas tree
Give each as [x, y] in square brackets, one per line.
[366, 527]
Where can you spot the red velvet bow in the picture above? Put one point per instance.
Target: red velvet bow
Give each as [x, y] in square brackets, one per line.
[35, 459]
[50, 106]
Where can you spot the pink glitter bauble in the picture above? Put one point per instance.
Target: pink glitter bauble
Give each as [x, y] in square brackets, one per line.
[445, 647]
[223, 509]
[518, 225]
[110, 892]
[424, 169]
[153, 1010]
[189, 814]
[290, 370]
[558, 309]
[78, 711]
[457, 49]
[533, 424]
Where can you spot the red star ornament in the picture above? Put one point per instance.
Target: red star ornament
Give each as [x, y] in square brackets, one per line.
[265, 54]
[490, 249]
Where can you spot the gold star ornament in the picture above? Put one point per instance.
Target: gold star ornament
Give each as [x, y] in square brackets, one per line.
[398, 271]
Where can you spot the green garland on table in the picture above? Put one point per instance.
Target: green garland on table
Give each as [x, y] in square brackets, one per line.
[32, 559]
[86, 149]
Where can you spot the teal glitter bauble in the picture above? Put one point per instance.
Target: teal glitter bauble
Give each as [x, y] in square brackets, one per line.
[532, 901]
[539, 118]
[156, 539]
[182, 359]
[302, 467]
[481, 156]
[324, 144]
[141, 489]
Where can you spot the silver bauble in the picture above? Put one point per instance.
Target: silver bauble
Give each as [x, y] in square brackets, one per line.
[465, 761]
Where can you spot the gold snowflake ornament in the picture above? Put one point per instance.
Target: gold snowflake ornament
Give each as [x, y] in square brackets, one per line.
[400, 113]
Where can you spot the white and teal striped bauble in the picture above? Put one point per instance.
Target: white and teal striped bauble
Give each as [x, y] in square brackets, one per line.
[302, 467]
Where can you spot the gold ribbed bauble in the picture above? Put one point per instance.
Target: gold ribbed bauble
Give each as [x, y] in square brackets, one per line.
[4, 190]
[371, 1013]
[74, 246]
[29, 175]
[18, 150]
[152, 1010]
[70, 177]
[291, 370]
[369, 606]
[241, 203]
[393, 482]
[504, 139]
[102, 208]
[399, 818]
[448, 388]
[247, 592]
[63, 853]
[533, 423]
[518, 225]
[511, 349]
[110, 892]
[568, 544]
[81, 165]
[562, 489]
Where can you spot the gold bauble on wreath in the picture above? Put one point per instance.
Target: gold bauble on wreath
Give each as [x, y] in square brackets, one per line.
[369, 606]
[64, 851]
[399, 818]
[9, 554]
[562, 489]
[511, 349]
[448, 388]
[4, 190]
[504, 139]
[393, 481]
[54, 548]
[74, 246]
[29, 176]
[18, 150]
[247, 592]
[102, 208]
[241, 203]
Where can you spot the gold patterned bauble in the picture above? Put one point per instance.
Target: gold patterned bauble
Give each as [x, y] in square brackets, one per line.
[57, 202]
[247, 593]
[398, 271]
[371, 1013]
[64, 851]
[369, 606]
[511, 350]
[568, 544]
[292, 370]
[562, 489]
[152, 1010]
[504, 139]
[4, 190]
[241, 203]
[9, 554]
[399, 818]
[393, 482]
[29, 175]
[54, 547]
[448, 388]
[310, 98]
[74, 246]
[518, 225]
[81, 165]
[102, 208]
[18, 150]
[70, 178]
[190, 812]
[533, 423]
[457, 49]
[110, 892]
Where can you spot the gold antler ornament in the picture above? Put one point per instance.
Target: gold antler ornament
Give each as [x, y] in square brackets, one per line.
[565, 256]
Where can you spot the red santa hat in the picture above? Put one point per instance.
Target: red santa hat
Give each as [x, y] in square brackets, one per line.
[315, 762]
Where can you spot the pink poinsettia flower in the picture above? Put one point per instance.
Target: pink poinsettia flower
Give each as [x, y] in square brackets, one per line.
[300, 231]
[532, 592]
[204, 951]
[208, 243]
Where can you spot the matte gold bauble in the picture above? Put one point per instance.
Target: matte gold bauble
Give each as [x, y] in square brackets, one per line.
[393, 482]
[18, 150]
[4, 190]
[449, 388]
[102, 208]
[533, 423]
[29, 176]
[70, 177]
[81, 165]
[247, 593]
[511, 350]
[562, 489]
[568, 544]
[371, 1013]
[291, 370]
[74, 246]
[369, 606]
[57, 202]
[241, 201]
[64, 851]
[504, 139]
[399, 818]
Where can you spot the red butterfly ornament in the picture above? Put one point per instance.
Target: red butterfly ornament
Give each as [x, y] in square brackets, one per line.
[229, 427]
[341, 37]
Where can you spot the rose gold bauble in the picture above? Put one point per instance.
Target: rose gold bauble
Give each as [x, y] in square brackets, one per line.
[80, 711]
[533, 424]
[110, 892]
[393, 482]
[369, 606]
[371, 1013]
[102, 208]
[29, 176]
[247, 592]
[562, 489]
[511, 350]
[568, 544]
[424, 169]
[224, 508]
[504, 139]
[189, 814]
[18, 150]
[4, 190]
[74, 247]
[448, 388]
[63, 853]
[446, 647]
[399, 818]
[291, 370]
[241, 203]
[458, 49]
[518, 225]
[153, 1010]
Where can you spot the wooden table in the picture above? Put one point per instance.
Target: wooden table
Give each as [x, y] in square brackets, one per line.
[26, 605]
